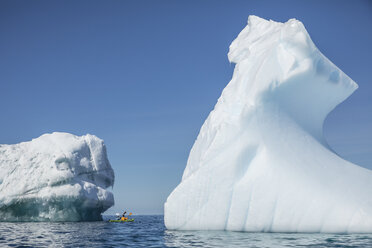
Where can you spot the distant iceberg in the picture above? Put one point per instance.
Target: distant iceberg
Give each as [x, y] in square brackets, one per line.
[260, 162]
[56, 177]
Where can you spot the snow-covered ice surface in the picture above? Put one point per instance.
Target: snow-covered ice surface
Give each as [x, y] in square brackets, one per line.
[56, 177]
[260, 162]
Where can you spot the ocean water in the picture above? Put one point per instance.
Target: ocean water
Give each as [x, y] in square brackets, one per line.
[149, 231]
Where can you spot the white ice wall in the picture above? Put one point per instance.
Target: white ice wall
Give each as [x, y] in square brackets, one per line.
[55, 177]
[260, 161]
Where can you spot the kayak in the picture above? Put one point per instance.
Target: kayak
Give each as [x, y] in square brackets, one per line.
[128, 220]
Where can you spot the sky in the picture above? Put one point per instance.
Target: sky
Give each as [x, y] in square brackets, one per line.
[144, 75]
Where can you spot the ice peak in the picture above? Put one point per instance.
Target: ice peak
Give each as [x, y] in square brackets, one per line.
[261, 34]
[275, 59]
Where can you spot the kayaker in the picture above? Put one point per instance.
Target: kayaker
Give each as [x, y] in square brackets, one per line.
[123, 216]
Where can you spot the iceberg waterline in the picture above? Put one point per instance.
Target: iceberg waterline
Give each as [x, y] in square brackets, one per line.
[56, 177]
[260, 161]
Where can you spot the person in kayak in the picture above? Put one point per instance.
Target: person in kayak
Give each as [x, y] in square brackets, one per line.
[123, 216]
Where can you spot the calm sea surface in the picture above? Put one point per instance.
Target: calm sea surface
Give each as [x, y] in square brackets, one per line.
[149, 231]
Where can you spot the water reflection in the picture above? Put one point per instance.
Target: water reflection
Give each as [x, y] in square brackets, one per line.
[149, 231]
[146, 231]
[209, 239]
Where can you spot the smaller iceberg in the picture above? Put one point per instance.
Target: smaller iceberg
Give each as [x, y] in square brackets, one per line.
[56, 177]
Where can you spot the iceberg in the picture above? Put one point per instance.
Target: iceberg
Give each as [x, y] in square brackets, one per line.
[260, 162]
[56, 177]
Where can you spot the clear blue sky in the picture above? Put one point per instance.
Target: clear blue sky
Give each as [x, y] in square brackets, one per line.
[144, 75]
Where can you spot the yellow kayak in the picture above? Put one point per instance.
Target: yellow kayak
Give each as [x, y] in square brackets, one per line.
[128, 220]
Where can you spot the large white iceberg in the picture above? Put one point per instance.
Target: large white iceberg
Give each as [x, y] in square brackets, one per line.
[260, 162]
[56, 177]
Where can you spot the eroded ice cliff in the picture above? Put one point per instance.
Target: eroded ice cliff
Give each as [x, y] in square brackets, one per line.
[260, 161]
[56, 177]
